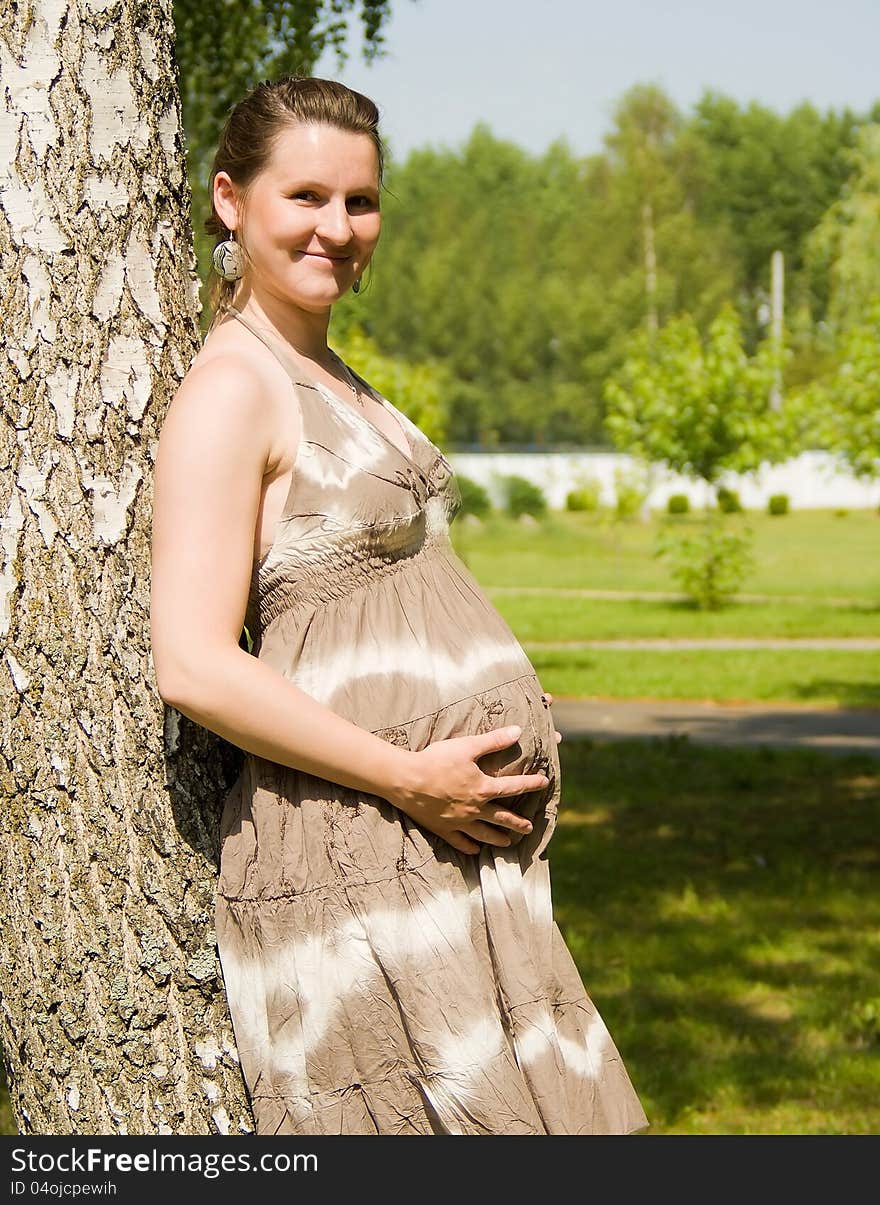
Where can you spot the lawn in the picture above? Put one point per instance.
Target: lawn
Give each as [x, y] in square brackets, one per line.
[819, 575]
[831, 679]
[729, 931]
[551, 616]
[811, 553]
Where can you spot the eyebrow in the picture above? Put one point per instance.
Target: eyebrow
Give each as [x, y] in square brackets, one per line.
[316, 184]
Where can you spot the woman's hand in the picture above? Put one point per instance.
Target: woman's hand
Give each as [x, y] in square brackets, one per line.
[447, 793]
[549, 699]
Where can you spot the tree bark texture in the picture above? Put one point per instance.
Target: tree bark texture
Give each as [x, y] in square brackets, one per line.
[112, 1011]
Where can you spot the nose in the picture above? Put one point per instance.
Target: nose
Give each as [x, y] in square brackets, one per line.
[334, 223]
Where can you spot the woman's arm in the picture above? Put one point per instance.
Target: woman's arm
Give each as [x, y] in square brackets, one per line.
[216, 445]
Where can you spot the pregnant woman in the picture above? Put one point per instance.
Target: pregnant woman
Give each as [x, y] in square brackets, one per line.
[383, 910]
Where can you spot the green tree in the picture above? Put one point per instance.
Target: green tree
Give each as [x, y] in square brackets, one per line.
[843, 410]
[525, 273]
[766, 177]
[844, 249]
[701, 408]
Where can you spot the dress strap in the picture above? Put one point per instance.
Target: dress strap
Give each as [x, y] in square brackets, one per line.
[276, 348]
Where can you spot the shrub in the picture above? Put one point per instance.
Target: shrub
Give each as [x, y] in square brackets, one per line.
[678, 504]
[630, 493]
[777, 504]
[587, 495]
[474, 497]
[523, 497]
[709, 564]
[728, 501]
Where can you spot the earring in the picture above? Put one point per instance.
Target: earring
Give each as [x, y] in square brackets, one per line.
[227, 259]
[356, 287]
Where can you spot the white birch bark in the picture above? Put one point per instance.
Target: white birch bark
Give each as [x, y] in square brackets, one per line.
[112, 1014]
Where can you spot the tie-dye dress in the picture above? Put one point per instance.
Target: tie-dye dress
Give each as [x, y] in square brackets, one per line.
[379, 981]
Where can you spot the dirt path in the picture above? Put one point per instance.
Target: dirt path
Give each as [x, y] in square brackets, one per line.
[830, 730]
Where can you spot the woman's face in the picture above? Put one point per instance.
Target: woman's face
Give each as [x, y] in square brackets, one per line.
[311, 220]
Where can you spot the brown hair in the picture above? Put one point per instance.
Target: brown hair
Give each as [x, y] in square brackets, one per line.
[248, 138]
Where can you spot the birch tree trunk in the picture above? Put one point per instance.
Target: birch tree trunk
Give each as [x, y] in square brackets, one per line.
[112, 1011]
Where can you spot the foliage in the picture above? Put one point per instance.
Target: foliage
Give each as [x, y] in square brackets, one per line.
[710, 565]
[777, 504]
[522, 497]
[844, 249]
[678, 504]
[475, 498]
[728, 500]
[844, 408]
[582, 499]
[767, 178]
[698, 407]
[548, 246]
[418, 389]
[630, 492]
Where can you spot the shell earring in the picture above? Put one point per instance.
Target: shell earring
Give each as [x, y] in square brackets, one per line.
[356, 287]
[227, 259]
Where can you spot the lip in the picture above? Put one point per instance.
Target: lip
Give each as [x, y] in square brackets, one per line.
[334, 259]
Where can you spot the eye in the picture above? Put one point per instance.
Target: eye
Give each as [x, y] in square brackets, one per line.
[305, 194]
[362, 202]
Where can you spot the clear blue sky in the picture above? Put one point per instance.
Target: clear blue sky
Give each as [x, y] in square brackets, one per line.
[552, 68]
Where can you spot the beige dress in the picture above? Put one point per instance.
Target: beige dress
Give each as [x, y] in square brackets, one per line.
[379, 981]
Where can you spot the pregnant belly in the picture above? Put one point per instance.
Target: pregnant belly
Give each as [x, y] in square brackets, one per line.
[517, 702]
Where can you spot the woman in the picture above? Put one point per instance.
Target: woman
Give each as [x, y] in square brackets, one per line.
[383, 909]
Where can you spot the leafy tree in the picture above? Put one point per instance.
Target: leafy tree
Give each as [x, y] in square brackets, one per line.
[845, 246]
[710, 564]
[700, 408]
[767, 178]
[844, 408]
[525, 273]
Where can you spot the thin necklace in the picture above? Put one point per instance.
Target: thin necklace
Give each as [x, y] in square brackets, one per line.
[349, 380]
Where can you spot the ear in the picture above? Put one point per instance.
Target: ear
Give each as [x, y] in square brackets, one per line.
[226, 200]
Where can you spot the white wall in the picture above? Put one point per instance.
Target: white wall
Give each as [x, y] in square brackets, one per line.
[813, 479]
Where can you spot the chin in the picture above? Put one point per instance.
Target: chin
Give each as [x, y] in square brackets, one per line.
[316, 299]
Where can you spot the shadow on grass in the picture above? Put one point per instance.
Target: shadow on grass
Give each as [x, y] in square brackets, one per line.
[849, 694]
[722, 906]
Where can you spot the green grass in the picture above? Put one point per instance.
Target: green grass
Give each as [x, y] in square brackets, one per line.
[821, 574]
[551, 616]
[806, 552]
[833, 679]
[729, 930]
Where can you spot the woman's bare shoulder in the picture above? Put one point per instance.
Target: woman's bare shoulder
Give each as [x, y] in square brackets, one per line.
[232, 389]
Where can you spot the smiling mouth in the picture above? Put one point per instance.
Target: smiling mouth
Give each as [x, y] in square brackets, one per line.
[334, 259]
